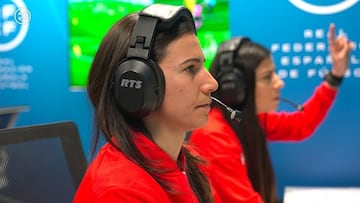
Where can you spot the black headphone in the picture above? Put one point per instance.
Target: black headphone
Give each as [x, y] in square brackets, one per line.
[231, 79]
[139, 82]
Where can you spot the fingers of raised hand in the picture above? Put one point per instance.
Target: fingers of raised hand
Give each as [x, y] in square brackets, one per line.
[331, 34]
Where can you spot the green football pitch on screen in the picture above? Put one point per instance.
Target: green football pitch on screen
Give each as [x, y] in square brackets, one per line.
[89, 22]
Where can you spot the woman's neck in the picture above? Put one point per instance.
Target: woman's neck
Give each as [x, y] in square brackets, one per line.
[167, 138]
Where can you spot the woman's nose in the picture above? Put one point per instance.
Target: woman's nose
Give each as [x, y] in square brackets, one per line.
[279, 83]
[210, 84]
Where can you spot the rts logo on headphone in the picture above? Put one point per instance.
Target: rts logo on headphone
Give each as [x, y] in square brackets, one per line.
[14, 24]
[323, 9]
[128, 83]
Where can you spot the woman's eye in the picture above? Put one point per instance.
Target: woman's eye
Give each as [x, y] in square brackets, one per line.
[191, 69]
[268, 78]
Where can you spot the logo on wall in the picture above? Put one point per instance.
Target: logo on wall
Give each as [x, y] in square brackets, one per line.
[14, 24]
[324, 9]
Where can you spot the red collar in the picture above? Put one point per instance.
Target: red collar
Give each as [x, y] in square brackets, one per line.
[159, 158]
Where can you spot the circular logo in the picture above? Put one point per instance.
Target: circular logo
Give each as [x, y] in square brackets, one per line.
[14, 24]
[323, 10]
[22, 16]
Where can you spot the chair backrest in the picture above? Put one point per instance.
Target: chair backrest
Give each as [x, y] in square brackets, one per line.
[41, 163]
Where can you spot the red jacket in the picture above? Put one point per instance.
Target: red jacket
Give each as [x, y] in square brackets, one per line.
[218, 143]
[111, 177]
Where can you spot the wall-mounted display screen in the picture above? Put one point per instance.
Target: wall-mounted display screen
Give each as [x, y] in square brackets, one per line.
[90, 20]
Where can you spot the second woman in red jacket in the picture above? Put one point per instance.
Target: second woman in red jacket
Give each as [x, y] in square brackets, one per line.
[239, 161]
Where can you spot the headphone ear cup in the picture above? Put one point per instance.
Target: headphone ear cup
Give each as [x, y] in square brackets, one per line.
[139, 86]
[232, 87]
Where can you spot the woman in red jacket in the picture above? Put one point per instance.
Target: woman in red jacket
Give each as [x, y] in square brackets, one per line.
[239, 161]
[148, 86]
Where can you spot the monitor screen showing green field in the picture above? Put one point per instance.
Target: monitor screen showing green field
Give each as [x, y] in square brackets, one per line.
[90, 20]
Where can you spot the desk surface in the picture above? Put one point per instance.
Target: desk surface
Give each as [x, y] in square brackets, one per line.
[295, 194]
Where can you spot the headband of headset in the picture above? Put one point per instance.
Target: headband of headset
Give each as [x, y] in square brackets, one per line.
[153, 18]
[168, 14]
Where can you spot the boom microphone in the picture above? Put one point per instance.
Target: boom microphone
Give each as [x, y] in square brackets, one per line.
[298, 107]
[234, 114]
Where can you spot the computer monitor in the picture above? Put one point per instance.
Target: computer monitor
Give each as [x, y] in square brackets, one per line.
[41, 163]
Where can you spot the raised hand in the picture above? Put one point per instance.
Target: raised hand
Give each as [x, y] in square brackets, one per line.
[339, 48]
